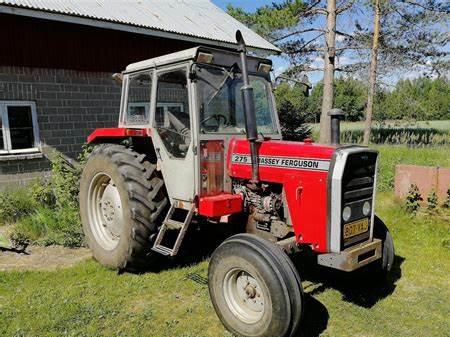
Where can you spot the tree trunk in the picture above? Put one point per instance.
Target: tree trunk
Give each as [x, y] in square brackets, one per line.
[328, 76]
[373, 72]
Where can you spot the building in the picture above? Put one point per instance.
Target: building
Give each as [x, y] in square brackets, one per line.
[58, 56]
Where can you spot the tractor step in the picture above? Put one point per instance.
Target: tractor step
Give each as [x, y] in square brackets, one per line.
[170, 224]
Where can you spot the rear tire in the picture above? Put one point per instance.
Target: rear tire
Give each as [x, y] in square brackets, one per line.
[254, 287]
[121, 202]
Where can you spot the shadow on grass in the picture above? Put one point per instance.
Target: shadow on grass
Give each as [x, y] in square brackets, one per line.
[198, 247]
[358, 287]
[315, 318]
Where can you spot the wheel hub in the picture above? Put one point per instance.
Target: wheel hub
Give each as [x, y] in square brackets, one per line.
[105, 211]
[244, 296]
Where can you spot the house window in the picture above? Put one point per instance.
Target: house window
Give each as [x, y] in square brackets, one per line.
[18, 127]
[162, 109]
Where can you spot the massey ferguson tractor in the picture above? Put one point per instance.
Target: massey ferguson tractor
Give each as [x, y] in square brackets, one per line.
[199, 142]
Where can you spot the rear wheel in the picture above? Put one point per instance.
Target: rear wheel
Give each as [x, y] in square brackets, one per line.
[121, 202]
[255, 288]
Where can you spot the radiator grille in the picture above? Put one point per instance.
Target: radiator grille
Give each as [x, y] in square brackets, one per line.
[358, 187]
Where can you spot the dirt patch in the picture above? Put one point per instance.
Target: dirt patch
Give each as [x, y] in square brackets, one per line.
[43, 258]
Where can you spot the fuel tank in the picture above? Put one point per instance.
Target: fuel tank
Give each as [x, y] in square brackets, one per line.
[302, 168]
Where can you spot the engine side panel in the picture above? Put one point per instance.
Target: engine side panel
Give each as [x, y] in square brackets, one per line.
[302, 169]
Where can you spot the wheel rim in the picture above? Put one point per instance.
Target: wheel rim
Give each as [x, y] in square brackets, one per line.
[105, 211]
[244, 296]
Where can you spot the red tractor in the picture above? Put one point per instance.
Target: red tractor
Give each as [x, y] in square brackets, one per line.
[199, 141]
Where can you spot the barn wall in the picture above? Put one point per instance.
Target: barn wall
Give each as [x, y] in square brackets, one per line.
[66, 70]
[58, 45]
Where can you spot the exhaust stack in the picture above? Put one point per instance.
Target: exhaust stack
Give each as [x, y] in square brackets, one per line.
[249, 108]
[336, 116]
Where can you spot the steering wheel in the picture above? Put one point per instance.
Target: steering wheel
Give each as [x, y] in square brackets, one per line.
[217, 117]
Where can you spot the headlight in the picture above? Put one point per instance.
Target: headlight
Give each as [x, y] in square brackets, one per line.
[346, 213]
[366, 208]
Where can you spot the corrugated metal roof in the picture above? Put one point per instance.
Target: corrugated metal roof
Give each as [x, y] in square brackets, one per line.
[194, 18]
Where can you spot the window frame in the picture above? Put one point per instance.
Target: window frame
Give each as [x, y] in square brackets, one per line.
[124, 100]
[6, 130]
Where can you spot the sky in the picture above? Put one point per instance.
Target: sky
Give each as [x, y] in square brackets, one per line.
[281, 63]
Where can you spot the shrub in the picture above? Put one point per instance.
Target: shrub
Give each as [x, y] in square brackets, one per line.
[14, 205]
[432, 200]
[413, 199]
[446, 203]
[42, 192]
[51, 215]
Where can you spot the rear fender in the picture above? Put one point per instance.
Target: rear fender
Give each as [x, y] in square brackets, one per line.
[116, 135]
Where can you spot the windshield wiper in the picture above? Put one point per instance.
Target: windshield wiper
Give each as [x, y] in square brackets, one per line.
[228, 74]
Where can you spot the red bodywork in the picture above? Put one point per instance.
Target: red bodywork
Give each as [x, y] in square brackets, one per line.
[305, 187]
[115, 133]
[281, 162]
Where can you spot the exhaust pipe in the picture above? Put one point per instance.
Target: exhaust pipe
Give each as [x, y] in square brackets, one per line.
[249, 108]
[336, 116]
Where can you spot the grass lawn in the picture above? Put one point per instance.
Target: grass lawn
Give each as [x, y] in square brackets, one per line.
[88, 300]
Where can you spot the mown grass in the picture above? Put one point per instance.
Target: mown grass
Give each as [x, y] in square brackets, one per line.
[88, 300]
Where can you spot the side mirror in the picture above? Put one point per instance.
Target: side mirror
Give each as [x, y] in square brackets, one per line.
[118, 77]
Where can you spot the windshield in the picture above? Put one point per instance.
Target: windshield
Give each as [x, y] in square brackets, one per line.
[221, 108]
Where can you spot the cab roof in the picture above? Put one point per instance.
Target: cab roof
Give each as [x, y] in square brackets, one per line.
[220, 57]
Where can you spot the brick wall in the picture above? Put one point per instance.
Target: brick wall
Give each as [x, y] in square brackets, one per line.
[70, 105]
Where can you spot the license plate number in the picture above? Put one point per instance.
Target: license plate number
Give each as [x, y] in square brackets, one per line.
[356, 227]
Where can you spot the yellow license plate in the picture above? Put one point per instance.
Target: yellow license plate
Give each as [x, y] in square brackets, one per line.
[356, 227]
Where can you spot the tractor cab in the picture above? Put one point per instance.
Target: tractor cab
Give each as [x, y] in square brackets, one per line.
[191, 103]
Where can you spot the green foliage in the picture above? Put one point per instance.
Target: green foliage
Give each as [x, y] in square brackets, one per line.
[46, 211]
[413, 199]
[432, 200]
[270, 20]
[419, 99]
[42, 192]
[65, 178]
[14, 205]
[47, 226]
[446, 203]
[350, 95]
[291, 112]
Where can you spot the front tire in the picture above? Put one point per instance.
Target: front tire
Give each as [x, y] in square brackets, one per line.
[382, 268]
[254, 287]
[121, 201]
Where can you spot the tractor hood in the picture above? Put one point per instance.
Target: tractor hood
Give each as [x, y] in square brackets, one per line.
[279, 160]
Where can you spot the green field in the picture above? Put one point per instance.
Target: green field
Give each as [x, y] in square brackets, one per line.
[417, 134]
[88, 300]
[438, 125]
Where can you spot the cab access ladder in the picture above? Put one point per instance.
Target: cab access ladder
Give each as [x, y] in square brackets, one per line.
[169, 224]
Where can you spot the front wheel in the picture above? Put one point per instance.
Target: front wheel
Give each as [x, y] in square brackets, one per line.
[255, 289]
[382, 267]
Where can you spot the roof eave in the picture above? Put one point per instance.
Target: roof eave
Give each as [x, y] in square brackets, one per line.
[47, 15]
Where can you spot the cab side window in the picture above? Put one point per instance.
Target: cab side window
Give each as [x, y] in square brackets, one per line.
[138, 103]
[172, 120]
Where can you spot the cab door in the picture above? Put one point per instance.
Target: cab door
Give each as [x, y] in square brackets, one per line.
[172, 131]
